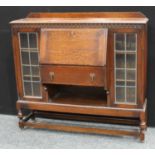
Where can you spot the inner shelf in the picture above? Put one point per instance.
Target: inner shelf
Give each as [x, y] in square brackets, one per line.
[77, 95]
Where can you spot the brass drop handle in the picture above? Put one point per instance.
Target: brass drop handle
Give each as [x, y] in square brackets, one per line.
[92, 76]
[51, 74]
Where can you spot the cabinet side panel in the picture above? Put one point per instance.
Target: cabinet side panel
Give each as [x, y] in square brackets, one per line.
[145, 61]
[17, 62]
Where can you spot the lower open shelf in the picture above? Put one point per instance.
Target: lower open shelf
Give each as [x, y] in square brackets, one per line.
[88, 96]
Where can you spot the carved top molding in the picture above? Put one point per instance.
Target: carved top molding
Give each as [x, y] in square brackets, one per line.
[77, 25]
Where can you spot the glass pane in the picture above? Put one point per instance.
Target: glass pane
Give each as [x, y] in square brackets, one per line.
[130, 83]
[27, 88]
[34, 58]
[35, 79]
[120, 60]
[130, 94]
[35, 70]
[36, 89]
[131, 61]
[23, 40]
[26, 70]
[120, 83]
[33, 40]
[27, 78]
[120, 42]
[120, 74]
[131, 42]
[25, 57]
[120, 94]
[130, 75]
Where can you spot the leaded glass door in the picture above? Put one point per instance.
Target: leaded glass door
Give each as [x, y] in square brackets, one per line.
[125, 67]
[29, 59]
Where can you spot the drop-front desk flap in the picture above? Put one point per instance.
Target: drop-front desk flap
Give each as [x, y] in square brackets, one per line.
[73, 46]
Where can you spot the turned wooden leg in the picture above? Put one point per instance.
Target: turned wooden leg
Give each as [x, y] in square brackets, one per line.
[142, 135]
[142, 126]
[33, 116]
[20, 116]
[146, 120]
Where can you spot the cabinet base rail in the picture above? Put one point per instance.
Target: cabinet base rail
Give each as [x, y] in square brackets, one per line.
[139, 123]
[26, 122]
[78, 129]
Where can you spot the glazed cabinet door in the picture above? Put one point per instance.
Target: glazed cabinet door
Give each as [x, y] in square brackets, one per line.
[125, 57]
[29, 52]
[26, 48]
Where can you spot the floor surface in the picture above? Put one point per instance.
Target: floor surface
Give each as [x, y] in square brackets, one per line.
[11, 136]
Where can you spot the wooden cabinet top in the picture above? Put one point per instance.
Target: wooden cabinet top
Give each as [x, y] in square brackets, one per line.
[84, 17]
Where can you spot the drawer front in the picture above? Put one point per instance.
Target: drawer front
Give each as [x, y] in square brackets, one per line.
[73, 75]
[73, 46]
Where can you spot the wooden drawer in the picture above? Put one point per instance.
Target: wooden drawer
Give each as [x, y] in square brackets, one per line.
[73, 75]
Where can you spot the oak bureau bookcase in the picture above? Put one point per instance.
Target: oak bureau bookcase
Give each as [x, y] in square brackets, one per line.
[82, 67]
